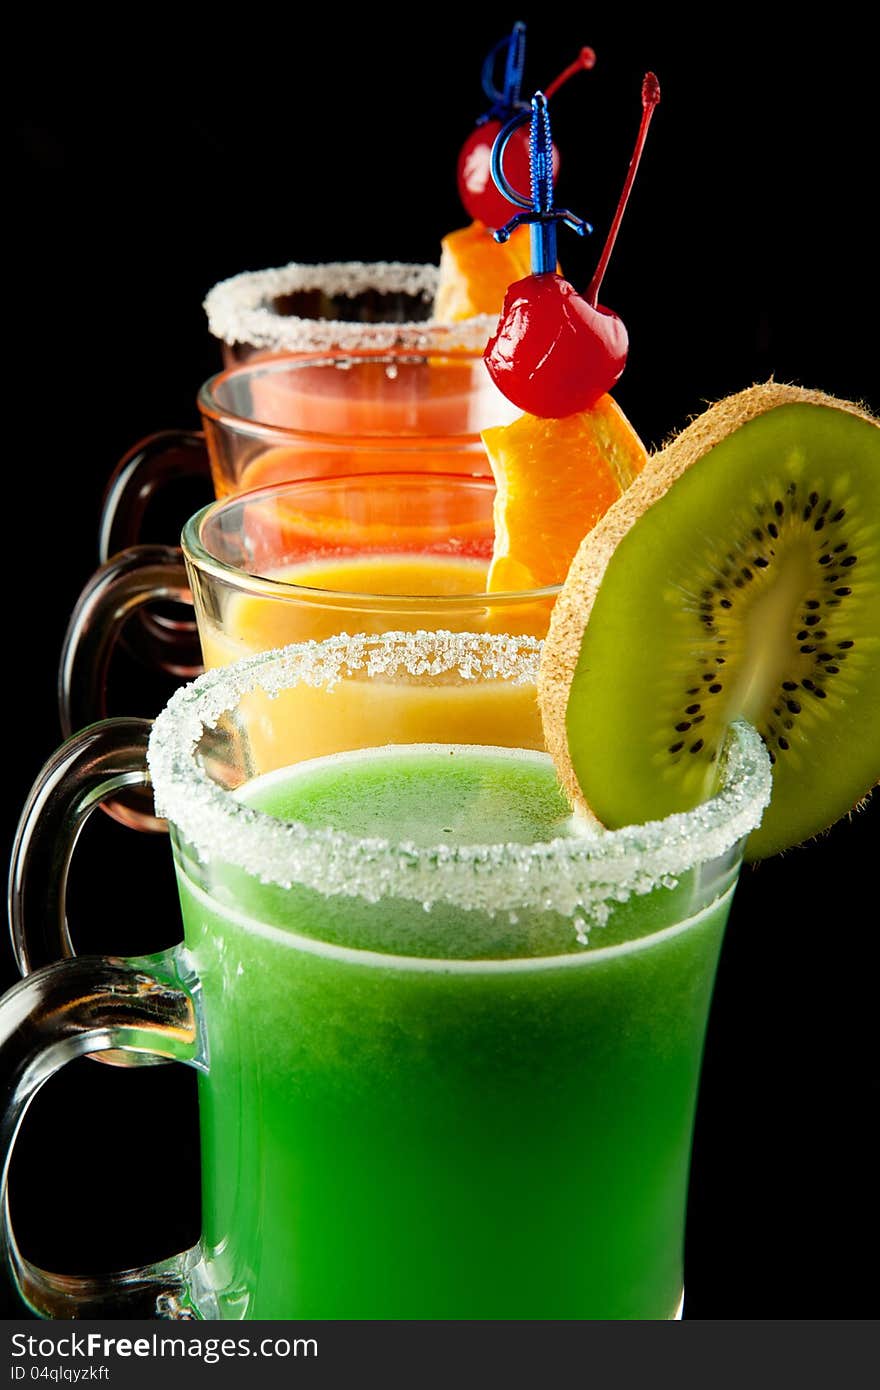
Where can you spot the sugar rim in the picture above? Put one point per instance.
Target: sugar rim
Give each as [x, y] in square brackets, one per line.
[239, 311]
[574, 877]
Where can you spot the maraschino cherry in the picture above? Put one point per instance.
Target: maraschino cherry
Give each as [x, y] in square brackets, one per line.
[555, 351]
[481, 199]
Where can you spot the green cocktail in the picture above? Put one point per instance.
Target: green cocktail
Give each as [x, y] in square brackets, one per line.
[453, 1038]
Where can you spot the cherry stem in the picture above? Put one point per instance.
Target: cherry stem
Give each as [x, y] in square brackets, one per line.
[585, 60]
[650, 98]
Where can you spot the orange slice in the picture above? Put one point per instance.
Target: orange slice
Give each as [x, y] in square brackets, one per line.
[476, 270]
[555, 479]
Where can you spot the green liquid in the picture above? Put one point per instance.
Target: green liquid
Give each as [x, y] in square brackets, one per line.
[396, 1138]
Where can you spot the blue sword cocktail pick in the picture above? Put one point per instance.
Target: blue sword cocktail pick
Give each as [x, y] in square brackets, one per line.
[509, 98]
[540, 213]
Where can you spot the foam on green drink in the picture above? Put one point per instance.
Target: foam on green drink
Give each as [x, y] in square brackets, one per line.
[444, 1113]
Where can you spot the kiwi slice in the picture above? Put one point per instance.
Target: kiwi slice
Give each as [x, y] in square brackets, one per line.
[738, 577]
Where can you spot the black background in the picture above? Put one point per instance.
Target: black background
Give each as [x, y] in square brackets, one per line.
[147, 165]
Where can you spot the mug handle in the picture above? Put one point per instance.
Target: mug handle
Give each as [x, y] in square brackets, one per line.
[114, 593]
[72, 1009]
[90, 767]
[95, 764]
[144, 473]
[170, 456]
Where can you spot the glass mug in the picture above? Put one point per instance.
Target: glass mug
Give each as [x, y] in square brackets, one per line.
[416, 1096]
[292, 417]
[340, 311]
[307, 560]
[313, 415]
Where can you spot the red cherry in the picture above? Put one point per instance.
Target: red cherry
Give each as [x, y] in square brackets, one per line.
[476, 188]
[554, 353]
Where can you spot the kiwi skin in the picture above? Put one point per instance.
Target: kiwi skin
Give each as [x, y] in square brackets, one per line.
[572, 609]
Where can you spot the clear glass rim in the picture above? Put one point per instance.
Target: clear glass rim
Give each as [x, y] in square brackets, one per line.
[211, 409]
[197, 553]
[569, 876]
[239, 311]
